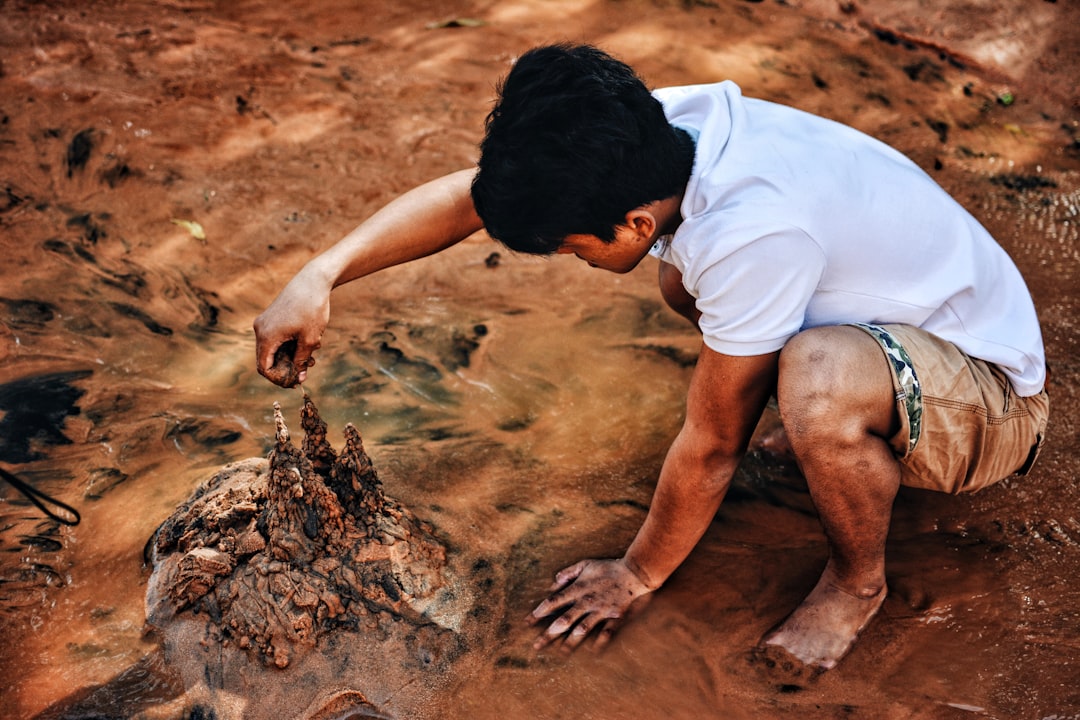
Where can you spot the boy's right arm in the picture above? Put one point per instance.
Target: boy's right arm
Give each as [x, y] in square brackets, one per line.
[423, 221]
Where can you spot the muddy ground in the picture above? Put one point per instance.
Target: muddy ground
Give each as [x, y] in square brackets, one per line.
[502, 398]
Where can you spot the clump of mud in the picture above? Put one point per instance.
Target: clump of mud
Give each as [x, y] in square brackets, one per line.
[272, 555]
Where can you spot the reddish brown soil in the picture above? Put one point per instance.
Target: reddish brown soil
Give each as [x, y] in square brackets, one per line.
[278, 126]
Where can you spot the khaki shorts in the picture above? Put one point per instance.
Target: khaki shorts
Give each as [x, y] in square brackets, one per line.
[962, 427]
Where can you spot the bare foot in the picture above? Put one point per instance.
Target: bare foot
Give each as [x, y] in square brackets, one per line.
[824, 627]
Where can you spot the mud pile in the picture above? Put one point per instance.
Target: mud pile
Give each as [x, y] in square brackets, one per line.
[272, 556]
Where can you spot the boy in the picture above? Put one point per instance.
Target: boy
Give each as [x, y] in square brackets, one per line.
[819, 265]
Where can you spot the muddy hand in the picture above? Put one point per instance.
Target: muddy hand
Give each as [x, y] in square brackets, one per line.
[287, 370]
[592, 595]
[284, 371]
[282, 355]
[289, 331]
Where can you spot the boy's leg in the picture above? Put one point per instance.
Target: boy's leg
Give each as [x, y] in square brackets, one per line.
[838, 406]
[868, 408]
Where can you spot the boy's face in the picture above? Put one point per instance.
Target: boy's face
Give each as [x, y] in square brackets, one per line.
[633, 239]
[619, 256]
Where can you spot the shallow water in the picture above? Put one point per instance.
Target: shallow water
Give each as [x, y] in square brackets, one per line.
[523, 406]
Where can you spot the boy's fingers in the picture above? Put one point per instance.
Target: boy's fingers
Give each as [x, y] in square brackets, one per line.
[264, 354]
[603, 637]
[284, 369]
[544, 639]
[568, 575]
[549, 606]
[557, 629]
[275, 373]
[580, 632]
[292, 359]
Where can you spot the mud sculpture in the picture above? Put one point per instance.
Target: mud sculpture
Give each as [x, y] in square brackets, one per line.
[271, 559]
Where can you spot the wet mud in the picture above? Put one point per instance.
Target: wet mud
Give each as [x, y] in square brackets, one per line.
[272, 560]
[165, 167]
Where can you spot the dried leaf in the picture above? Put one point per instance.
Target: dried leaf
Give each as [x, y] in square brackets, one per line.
[192, 227]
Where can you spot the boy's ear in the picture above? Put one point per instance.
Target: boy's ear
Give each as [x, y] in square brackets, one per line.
[642, 221]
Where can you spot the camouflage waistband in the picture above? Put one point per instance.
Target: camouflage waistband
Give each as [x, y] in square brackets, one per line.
[910, 391]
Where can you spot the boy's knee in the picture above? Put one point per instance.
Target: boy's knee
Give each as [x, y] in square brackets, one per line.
[823, 370]
[812, 362]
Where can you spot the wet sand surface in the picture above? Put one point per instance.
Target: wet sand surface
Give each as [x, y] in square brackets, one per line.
[521, 406]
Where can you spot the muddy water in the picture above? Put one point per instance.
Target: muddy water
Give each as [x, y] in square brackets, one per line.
[522, 406]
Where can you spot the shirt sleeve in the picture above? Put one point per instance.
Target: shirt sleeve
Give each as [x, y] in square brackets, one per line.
[753, 298]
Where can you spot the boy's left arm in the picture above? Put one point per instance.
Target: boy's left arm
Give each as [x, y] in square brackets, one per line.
[726, 397]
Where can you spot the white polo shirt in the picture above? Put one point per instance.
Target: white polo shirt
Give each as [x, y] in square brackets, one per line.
[792, 221]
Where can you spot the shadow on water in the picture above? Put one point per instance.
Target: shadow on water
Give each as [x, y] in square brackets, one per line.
[34, 412]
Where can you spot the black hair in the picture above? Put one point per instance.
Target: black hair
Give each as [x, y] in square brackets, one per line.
[574, 142]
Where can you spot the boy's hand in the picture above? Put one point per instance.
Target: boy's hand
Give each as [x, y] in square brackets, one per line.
[589, 595]
[289, 331]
